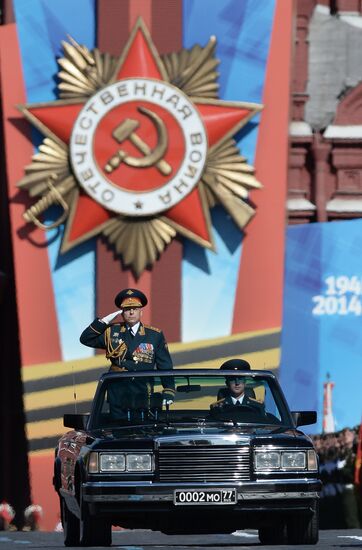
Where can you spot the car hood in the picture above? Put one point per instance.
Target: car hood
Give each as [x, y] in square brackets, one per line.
[181, 434]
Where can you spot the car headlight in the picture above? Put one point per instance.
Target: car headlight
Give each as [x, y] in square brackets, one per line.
[267, 460]
[112, 462]
[102, 462]
[293, 460]
[139, 462]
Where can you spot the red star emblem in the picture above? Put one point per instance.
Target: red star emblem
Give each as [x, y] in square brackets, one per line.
[189, 216]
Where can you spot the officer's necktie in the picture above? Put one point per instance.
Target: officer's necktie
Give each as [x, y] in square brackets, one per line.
[131, 332]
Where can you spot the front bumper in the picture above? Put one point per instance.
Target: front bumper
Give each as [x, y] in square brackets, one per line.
[148, 492]
[150, 505]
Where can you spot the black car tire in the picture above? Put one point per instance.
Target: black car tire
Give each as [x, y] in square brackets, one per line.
[273, 534]
[70, 525]
[94, 531]
[304, 529]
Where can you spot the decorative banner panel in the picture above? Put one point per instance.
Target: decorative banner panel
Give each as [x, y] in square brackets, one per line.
[322, 324]
[166, 116]
[243, 46]
[149, 225]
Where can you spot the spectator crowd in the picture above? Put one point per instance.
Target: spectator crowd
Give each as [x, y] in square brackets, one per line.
[341, 496]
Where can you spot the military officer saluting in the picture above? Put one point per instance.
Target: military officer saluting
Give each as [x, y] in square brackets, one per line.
[131, 345]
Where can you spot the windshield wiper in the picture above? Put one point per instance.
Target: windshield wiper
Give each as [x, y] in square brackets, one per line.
[225, 420]
[116, 424]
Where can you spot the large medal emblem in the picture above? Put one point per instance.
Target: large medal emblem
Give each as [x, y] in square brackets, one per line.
[138, 149]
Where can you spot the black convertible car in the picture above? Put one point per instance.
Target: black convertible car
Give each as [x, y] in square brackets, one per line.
[201, 464]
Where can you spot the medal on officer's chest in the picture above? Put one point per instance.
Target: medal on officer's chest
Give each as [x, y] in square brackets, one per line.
[144, 352]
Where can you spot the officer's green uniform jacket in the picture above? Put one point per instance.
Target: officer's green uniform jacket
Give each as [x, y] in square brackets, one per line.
[144, 351]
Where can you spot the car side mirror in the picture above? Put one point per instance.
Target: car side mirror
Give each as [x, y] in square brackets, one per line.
[76, 421]
[304, 418]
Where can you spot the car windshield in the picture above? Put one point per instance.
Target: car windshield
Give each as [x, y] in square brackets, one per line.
[242, 399]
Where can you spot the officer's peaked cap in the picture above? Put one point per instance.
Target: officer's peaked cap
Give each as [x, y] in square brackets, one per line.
[130, 297]
[236, 364]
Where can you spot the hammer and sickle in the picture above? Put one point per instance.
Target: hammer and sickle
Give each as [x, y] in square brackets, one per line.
[151, 157]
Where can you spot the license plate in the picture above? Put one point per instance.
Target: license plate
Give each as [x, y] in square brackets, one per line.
[204, 496]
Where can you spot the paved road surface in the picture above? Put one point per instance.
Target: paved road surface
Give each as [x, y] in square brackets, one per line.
[149, 540]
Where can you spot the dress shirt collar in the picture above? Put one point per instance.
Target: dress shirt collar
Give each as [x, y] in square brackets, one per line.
[240, 399]
[134, 329]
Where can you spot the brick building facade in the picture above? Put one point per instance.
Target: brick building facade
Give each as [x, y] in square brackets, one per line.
[325, 160]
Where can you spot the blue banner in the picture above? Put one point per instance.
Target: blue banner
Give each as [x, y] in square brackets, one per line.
[243, 32]
[41, 28]
[322, 320]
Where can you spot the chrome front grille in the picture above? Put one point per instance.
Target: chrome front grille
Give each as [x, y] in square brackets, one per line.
[214, 463]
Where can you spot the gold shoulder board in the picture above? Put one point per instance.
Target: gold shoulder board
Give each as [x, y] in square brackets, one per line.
[152, 328]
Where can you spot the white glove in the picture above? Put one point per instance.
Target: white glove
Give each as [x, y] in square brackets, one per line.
[167, 402]
[108, 318]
